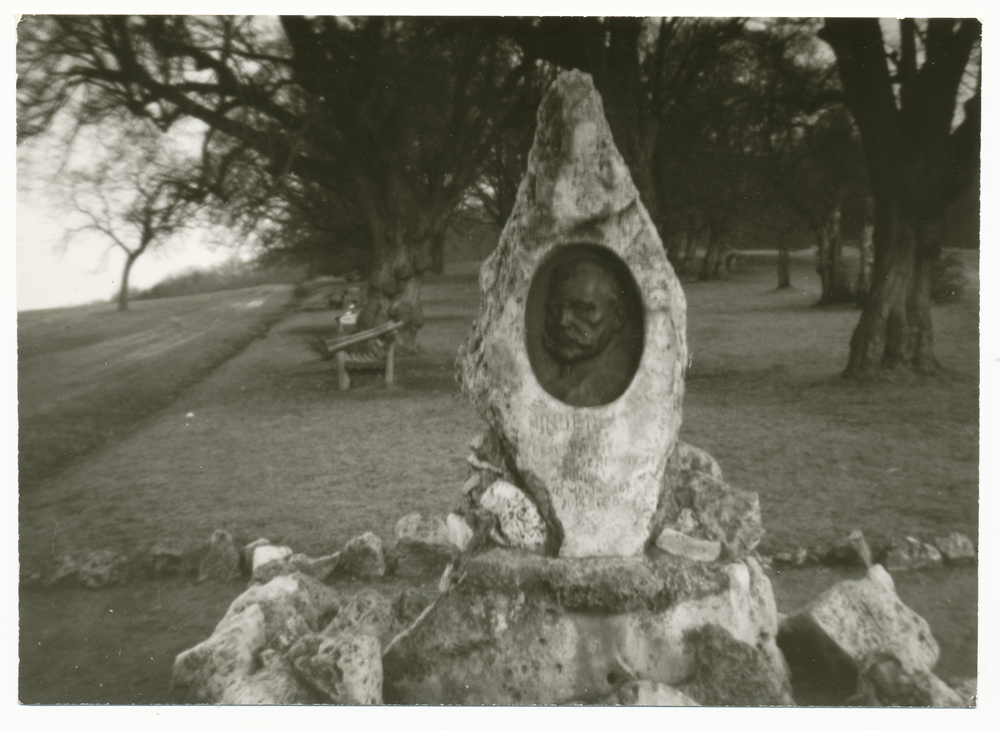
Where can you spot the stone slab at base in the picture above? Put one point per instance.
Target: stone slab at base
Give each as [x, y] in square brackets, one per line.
[521, 629]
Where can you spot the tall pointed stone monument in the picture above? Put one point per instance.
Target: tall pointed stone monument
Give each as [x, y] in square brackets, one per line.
[576, 363]
[590, 436]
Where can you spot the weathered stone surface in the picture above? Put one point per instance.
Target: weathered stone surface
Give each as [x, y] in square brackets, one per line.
[273, 684]
[470, 484]
[803, 557]
[246, 554]
[957, 549]
[241, 662]
[686, 522]
[691, 459]
[204, 672]
[363, 556]
[367, 612]
[409, 604]
[827, 642]
[222, 561]
[66, 570]
[422, 548]
[733, 673]
[852, 550]
[346, 668]
[643, 693]
[165, 559]
[595, 472]
[272, 569]
[525, 629]
[677, 543]
[285, 598]
[884, 683]
[695, 501]
[318, 568]
[967, 688]
[264, 554]
[520, 524]
[911, 554]
[459, 532]
[270, 561]
[103, 568]
[721, 512]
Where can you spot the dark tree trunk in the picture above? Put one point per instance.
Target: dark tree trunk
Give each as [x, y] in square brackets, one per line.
[123, 290]
[437, 253]
[830, 261]
[713, 264]
[866, 254]
[404, 248]
[784, 268]
[895, 329]
[918, 163]
[690, 253]
[678, 248]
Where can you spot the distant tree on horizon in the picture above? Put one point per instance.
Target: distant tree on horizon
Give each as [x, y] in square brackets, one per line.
[134, 193]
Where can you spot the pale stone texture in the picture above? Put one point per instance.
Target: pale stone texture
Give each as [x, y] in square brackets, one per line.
[165, 559]
[459, 532]
[703, 506]
[245, 660]
[346, 668]
[884, 683]
[363, 556]
[318, 568]
[729, 672]
[66, 570]
[688, 458]
[367, 612]
[222, 561]
[247, 552]
[264, 554]
[270, 570]
[643, 693]
[957, 549]
[287, 597]
[103, 568]
[677, 543]
[911, 554]
[828, 641]
[273, 684]
[595, 472]
[422, 548]
[204, 672]
[525, 629]
[520, 524]
[270, 561]
[852, 550]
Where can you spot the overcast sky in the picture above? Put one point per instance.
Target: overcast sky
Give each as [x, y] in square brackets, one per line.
[52, 275]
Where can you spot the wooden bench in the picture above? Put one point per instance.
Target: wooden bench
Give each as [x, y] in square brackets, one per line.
[379, 356]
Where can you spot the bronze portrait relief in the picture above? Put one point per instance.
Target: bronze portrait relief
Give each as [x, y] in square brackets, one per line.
[584, 325]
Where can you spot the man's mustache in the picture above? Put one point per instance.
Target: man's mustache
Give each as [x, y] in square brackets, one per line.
[565, 338]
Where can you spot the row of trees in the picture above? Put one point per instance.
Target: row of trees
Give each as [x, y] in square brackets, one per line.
[356, 139]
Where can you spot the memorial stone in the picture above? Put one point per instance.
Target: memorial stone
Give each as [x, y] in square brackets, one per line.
[577, 358]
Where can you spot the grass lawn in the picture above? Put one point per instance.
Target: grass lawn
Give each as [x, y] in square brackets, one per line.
[267, 446]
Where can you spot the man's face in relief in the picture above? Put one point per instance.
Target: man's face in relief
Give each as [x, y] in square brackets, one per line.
[583, 311]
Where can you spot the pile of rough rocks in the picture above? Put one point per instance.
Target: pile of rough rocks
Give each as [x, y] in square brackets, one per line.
[953, 550]
[295, 637]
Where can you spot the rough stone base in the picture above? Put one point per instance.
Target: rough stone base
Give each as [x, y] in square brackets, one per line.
[521, 629]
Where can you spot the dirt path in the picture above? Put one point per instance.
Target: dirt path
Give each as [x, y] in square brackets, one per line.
[88, 374]
[52, 378]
